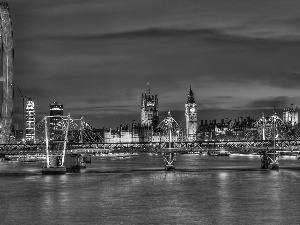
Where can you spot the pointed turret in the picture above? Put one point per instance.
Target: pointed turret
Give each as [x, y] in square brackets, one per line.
[169, 113]
[148, 84]
[190, 96]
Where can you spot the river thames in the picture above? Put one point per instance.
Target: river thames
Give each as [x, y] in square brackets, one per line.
[136, 190]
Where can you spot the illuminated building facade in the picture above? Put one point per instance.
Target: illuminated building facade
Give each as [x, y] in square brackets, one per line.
[149, 110]
[122, 135]
[30, 121]
[149, 116]
[56, 113]
[290, 116]
[191, 117]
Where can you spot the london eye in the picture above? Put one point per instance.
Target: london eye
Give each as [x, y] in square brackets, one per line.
[7, 58]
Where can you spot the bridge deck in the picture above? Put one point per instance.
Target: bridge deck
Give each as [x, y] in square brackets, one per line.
[287, 145]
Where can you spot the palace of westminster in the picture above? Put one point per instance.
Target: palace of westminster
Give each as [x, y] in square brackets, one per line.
[150, 129]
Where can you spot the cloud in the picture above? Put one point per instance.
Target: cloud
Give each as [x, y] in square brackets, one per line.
[269, 103]
[96, 57]
[212, 34]
[110, 109]
[209, 52]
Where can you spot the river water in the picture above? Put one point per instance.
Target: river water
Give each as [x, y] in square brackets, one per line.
[136, 190]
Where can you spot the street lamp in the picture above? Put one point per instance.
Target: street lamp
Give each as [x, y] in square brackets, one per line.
[132, 130]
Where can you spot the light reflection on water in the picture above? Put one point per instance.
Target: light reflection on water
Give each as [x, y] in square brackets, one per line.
[203, 190]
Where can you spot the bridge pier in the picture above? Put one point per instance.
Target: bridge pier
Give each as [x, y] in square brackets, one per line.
[269, 160]
[169, 159]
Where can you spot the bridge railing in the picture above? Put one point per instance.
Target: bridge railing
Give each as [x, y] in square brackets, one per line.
[255, 144]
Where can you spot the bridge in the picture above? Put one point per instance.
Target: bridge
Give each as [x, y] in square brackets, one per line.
[255, 144]
[271, 133]
[260, 136]
[151, 146]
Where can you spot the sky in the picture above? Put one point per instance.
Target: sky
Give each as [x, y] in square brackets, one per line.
[96, 57]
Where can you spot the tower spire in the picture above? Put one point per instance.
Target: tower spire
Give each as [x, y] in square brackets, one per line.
[191, 96]
[148, 84]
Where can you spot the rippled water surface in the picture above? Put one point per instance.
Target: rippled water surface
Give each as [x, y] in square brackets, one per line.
[137, 190]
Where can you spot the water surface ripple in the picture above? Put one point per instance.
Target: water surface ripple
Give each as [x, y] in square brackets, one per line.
[137, 190]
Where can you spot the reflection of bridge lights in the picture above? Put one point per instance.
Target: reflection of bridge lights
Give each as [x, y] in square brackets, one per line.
[223, 176]
[170, 177]
[48, 179]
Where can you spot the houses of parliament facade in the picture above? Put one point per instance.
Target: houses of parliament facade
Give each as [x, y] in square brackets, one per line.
[148, 130]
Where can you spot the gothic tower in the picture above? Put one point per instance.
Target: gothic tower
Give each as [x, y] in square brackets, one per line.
[191, 117]
[149, 110]
[149, 116]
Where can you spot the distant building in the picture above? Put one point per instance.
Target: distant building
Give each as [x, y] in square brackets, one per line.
[19, 135]
[56, 113]
[208, 130]
[121, 135]
[149, 115]
[227, 129]
[290, 116]
[149, 110]
[30, 121]
[191, 117]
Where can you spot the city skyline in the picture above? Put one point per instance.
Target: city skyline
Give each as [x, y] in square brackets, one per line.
[179, 115]
[96, 57]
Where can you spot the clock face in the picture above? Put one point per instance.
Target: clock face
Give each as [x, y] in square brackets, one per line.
[192, 110]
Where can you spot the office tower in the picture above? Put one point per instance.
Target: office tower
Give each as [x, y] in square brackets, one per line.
[30, 121]
[191, 117]
[56, 113]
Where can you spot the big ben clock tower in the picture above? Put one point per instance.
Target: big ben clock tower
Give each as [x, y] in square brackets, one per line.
[191, 117]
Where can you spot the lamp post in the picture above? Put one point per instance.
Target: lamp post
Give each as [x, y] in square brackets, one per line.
[120, 133]
[24, 129]
[81, 130]
[132, 130]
